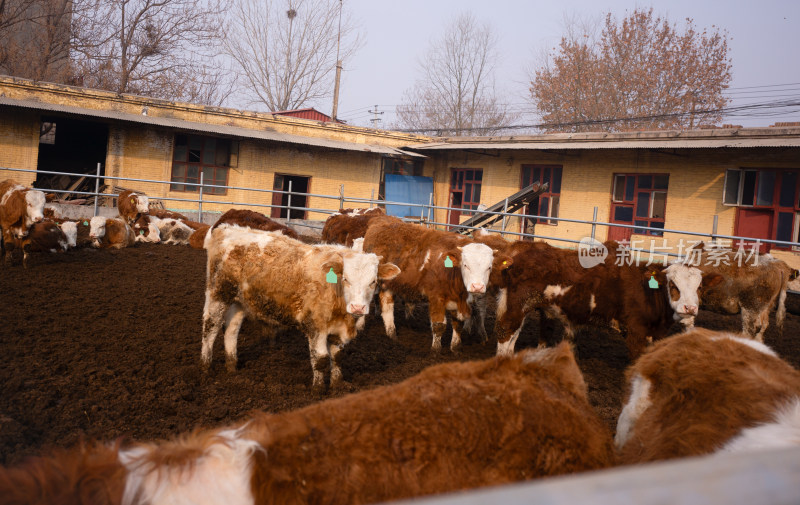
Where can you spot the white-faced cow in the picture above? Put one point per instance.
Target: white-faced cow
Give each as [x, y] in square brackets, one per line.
[442, 267]
[706, 392]
[131, 204]
[113, 233]
[20, 208]
[277, 279]
[453, 427]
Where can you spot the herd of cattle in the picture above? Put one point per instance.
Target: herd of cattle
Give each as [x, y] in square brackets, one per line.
[455, 426]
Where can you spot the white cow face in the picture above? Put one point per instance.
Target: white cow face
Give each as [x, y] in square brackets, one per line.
[683, 283]
[70, 229]
[476, 265]
[142, 204]
[359, 277]
[34, 212]
[97, 229]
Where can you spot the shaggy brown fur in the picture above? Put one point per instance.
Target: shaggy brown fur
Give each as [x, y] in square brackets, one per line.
[704, 392]
[344, 227]
[453, 427]
[197, 238]
[254, 220]
[127, 203]
[118, 235]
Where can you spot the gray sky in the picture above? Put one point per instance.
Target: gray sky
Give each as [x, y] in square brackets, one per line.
[764, 44]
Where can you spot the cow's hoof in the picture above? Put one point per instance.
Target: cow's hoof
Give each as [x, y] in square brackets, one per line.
[318, 389]
[230, 365]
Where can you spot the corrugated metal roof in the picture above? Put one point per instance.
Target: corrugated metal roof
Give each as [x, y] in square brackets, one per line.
[616, 144]
[181, 124]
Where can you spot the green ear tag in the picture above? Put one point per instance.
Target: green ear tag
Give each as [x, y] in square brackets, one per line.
[448, 263]
[86, 223]
[141, 232]
[331, 276]
[653, 283]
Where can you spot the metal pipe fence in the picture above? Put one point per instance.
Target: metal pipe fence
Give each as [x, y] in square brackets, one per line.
[427, 211]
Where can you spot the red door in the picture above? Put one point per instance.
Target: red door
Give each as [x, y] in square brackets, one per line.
[756, 223]
[623, 214]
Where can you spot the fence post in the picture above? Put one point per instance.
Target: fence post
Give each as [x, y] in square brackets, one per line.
[449, 206]
[200, 200]
[341, 196]
[594, 222]
[96, 188]
[714, 229]
[289, 204]
[430, 207]
[505, 210]
[371, 197]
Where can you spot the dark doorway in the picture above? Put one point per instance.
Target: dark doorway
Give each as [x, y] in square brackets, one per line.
[72, 146]
[300, 184]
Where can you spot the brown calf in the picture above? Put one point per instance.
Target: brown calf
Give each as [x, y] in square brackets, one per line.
[254, 220]
[348, 225]
[47, 236]
[703, 392]
[442, 267]
[20, 208]
[453, 427]
[111, 233]
[131, 204]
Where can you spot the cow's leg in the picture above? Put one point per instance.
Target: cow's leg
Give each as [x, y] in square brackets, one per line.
[478, 316]
[25, 254]
[320, 359]
[233, 323]
[336, 372]
[438, 324]
[387, 313]
[457, 320]
[361, 322]
[213, 319]
[762, 323]
[748, 323]
[507, 329]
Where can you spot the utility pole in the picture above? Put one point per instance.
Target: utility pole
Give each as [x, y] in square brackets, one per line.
[375, 120]
[338, 68]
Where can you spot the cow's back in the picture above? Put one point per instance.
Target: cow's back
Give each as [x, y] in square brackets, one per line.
[348, 225]
[254, 220]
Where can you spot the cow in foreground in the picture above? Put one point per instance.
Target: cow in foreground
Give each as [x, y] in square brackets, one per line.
[20, 208]
[131, 204]
[706, 392]
[49, 237]
[110, 233]
[277, 279]
[753, 287]
[453, 427]
[348, 225]
[443, 267]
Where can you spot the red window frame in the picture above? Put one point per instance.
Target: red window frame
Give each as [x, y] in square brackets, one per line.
[635, 198]
[466, 184]
[193, 154]
[547, 203]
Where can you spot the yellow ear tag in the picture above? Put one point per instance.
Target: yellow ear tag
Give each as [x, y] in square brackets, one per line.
[330, 277]
[653, 283]
[133, 201]
[448, 263]
[505, 262]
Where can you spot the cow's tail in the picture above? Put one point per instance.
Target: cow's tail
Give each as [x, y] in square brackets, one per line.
[780, 313]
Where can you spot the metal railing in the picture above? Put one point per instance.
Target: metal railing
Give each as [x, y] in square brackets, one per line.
[427, 211]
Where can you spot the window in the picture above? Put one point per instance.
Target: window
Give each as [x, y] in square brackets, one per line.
[547, 203]
[397, 166]
[194, 155]
[465, 188]
[768, 201]
[640, 200]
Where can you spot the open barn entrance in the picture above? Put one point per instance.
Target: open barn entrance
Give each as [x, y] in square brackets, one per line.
[300, 184]
[70, 146]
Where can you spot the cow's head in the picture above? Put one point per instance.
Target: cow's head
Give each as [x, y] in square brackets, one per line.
[358, 274]
[70, 229]
[475, 262]
[97, 229]
[34, 201]
[684, 285]
[146, 230]
[141, 202]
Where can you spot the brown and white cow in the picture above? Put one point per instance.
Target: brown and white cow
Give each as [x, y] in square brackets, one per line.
[149, 228]
[50, 237]
[277, 279]
[442, 267]
[131, 204]
[255, 220]
[644, 301]
[453, 427]
[110, 233]
[20, 208]
[706, 392]
[348, 225]
[168, 214]
[752, 287]
[198, 238]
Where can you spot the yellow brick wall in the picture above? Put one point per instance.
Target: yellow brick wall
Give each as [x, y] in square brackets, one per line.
[19, 145]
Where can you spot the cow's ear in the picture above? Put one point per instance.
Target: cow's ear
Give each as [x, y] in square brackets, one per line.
[452, 259]
[711, 280]
[501, 261]
[387, 271]
[336, 263]
[658, 275]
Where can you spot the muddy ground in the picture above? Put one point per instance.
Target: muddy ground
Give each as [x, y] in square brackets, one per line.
[106, 344]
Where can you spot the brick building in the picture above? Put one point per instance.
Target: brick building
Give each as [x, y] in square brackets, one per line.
[749, 178]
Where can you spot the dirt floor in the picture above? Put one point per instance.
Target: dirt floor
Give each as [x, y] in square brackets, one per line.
[106, 344]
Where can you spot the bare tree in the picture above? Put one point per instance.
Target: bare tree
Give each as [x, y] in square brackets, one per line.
[35, 39]
[159, 48]
[642, 73]
[456, 94]
[286, 50]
